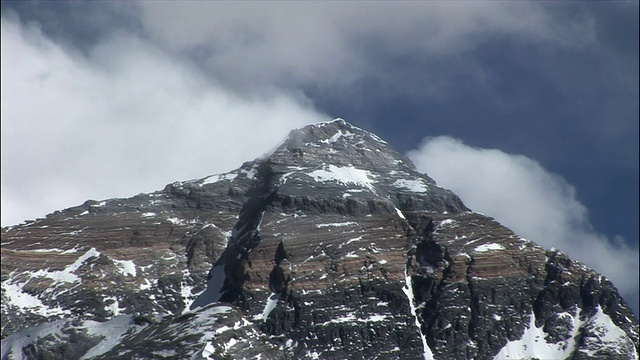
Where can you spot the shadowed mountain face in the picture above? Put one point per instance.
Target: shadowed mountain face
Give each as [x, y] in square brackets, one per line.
[331, 247]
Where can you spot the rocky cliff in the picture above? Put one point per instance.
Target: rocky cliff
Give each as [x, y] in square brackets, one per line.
[331, 247]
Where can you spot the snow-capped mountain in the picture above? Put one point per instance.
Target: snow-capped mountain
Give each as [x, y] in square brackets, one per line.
[332, 246]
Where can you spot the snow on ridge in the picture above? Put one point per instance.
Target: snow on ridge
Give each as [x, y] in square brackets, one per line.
[609, 337]
[146, 286]
[342, 121]
[272, 301]
[533, 343]
[335, 137]
[346, 223]
[55, 250]
[328, 122]
[114, 306]
[413, 185]
[345, 123]
[176, 221]
[125, 267]
[111, 331]
[408, 291]
[350, 317]
[15, 342]
[447, 223]
[488, 247]
[186, 291]
[23, 300]
[67, 274]
[251, 173]
[344, 175]
[217, 177]
[213, 291]
[71, 251]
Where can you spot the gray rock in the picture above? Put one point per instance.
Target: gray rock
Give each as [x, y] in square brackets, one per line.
[333, 247]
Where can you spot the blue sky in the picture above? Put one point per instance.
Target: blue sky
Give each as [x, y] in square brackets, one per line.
[528, 110]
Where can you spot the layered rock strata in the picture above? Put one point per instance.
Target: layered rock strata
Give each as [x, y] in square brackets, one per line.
[332, 247]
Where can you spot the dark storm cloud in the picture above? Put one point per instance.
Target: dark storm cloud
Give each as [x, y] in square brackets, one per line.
[78, 24]
[571, 104]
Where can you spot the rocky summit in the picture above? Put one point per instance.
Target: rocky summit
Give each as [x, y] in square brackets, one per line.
[333, 246]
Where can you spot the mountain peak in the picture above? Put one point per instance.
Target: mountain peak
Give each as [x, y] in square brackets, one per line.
[331, 134]
[338, 143]
[339, 161]
[333, 246]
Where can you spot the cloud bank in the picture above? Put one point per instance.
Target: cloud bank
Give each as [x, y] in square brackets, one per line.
[125, 119]
[257, 44]
[539, 205]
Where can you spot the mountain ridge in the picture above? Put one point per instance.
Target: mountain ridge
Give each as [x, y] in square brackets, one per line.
[331, 246]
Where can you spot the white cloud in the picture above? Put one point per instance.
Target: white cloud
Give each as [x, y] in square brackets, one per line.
[126, 119]
[327, 43]
[539, 205]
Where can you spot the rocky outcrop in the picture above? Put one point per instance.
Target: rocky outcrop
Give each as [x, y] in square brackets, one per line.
[333, 247]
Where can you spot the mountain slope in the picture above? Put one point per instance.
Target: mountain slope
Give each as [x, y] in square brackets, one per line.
[333, 246]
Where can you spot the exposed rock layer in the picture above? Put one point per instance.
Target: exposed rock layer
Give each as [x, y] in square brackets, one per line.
[333, 247]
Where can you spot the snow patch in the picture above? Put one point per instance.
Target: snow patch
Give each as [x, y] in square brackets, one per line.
[17, 297]
[125, 267]
[350, 317]
[146, 285]
[337, 136]
[270, 305]
[113, 306]
[416, 186]
[608, 339]
[71, 251]
[336, 224]
[186, 291]
[533, 344]
[447, 222]
[67, 275]
[251, 173]
[218, 177]
[43, 250]
[176, 221]
[605, 338]
[112, 332]
[488, 247]
[207, 351]
[408, 291]
[15, 342]
[213, 292]
[344, 175]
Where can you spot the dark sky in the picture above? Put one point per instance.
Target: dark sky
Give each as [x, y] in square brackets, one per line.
[133, 95]
[573, 110]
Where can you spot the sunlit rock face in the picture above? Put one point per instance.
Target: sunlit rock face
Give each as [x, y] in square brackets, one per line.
[332, 246]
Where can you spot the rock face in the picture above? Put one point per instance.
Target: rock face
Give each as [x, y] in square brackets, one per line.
[331, 247]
